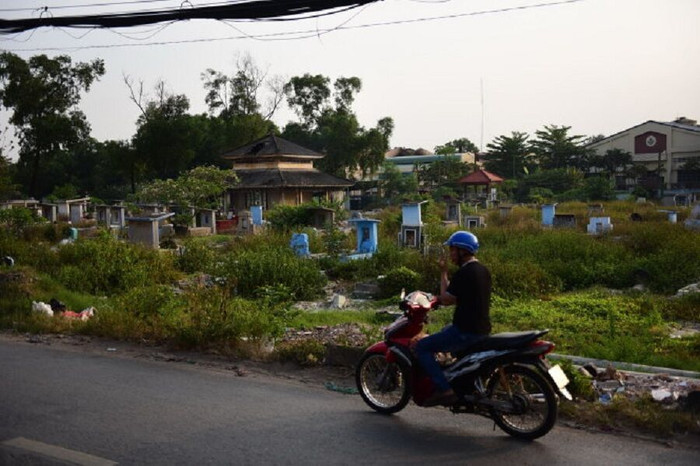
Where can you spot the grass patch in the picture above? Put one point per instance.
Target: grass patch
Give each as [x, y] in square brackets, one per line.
[603, 325]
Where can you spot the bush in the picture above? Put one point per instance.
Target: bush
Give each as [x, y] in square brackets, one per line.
[142, 313]
[515, 280]
[211, 317]
[571, 259]
[247, 271]
[18, 218]
[285, 217]
[397, 279]
[196, 256]
[107, 266]
[304, 352]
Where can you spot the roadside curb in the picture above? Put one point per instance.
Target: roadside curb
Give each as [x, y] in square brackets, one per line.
[626, 366]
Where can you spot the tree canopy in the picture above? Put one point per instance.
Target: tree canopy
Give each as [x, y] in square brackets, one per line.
[43, 94]
[509, 156]
[555, 148]
[334, 130]
[198, 187]
[460, 146]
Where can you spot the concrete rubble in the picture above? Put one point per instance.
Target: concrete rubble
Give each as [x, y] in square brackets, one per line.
[669, 390]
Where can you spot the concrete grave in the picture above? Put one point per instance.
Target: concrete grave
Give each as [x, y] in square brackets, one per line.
[599, 225]
[146, 230]
[411, 234]
[548, 212]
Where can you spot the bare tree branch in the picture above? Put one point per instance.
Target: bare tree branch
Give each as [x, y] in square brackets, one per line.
[135, 96]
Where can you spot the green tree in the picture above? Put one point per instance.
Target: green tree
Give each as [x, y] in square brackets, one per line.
[509, 156]
[7, 186]
[120, 170]
[43, 94]
[458, 146]
[613, 161]
[167, 136]
[240, 93]
[443, 172]
[555, 148]
[345, 90]
[551, 182]
[598, 188]
[198, 187]
[308, 96]
[335, 130]
[396, 185]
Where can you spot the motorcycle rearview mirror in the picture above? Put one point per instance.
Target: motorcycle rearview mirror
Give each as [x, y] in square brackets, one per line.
[403, 294]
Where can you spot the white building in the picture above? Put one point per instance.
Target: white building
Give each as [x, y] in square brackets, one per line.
[664, 149]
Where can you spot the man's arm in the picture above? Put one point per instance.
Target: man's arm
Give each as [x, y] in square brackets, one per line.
[445, 297]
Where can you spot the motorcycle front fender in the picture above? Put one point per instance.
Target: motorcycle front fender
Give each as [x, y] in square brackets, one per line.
[379, 347]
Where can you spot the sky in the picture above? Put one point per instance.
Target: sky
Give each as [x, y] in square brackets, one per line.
[441, 69]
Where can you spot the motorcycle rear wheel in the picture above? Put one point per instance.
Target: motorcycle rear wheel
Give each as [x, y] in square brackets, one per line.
[531, 398]
[384, 386]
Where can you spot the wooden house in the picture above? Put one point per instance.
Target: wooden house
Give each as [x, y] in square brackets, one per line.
[274, 171]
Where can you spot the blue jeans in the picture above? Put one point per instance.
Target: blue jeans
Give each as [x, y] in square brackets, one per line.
[449, 339]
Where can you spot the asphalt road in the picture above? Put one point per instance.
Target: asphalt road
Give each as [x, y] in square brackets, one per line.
[75, 407]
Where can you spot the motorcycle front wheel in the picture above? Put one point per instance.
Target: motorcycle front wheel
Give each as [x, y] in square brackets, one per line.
[526, 405]
[385, 386]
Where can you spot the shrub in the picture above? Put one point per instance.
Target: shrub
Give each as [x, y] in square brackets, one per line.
[397, 279]
[210, 317]
[573, 260]
[284, 217]
[514, 280]
[16, 289]
[247, 271]
[18, 219]
[304, 352]
[107, 266]
[196, 256]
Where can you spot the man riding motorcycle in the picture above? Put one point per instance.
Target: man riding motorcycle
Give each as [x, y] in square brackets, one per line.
[470, 290]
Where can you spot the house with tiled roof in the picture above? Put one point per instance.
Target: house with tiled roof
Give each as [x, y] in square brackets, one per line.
[274, 171]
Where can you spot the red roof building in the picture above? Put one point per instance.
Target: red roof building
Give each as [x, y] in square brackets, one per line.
[482, 181]
[480, 178]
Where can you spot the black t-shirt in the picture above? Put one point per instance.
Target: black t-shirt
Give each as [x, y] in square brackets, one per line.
[471, 285]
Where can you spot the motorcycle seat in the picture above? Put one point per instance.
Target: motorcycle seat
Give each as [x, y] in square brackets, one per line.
[504, 340]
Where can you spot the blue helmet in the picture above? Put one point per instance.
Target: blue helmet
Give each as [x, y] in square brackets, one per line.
[463, 240]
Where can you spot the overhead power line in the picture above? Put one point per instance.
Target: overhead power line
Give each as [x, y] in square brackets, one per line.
[303, 34]
[252, 10]
[88, 5]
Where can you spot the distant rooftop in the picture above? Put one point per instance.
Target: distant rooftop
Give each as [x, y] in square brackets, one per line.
[271, 146]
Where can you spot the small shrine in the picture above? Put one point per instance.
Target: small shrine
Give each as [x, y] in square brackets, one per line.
[474, 221]
[111, 216]
[412, 225]
[147, 230]
[453, 211]
[256, 212]
[548, 213]
[599, 225]
[300, 244]
[367, 235]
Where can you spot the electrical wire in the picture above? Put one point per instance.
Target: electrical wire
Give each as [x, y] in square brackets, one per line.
[304, 34]
[88, 5]
[254, 9]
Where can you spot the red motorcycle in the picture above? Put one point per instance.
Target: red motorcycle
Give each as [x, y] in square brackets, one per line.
[504, 377]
